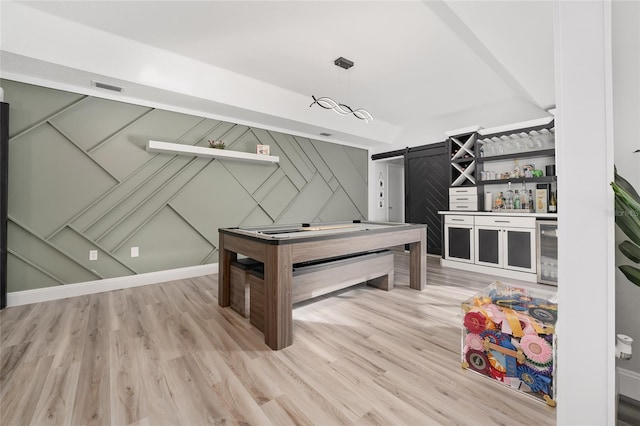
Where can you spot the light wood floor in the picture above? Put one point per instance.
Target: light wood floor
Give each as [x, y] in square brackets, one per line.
[167, 354]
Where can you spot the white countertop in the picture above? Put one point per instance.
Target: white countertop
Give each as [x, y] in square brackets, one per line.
[504, 213]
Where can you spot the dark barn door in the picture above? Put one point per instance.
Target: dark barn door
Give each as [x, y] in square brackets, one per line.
[427, 190]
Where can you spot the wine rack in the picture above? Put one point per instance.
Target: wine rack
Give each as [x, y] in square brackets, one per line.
[463, 159]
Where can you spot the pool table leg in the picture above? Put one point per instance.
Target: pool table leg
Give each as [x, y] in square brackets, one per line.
[224, 272]
[418, 262]
[278, 278]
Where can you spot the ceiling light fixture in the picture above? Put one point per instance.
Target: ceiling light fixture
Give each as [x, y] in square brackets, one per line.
[343, 63]
[342, 109]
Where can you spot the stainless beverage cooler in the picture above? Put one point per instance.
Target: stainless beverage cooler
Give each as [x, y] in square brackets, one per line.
[547, 251]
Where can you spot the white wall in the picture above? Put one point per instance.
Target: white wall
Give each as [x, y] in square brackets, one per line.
[376, 169]
[395, 191]
[626, 108]
[584, 139]
[393, 175]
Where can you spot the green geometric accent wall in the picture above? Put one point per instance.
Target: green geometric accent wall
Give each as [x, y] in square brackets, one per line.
[80, 179]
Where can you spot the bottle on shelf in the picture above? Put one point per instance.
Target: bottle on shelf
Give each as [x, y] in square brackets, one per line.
[516, 200]
[553, 208]
[508, 198]
[499, 201]
[524, 201]
[531, 201]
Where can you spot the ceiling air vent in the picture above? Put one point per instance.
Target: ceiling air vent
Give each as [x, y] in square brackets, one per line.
[325, 134]
[106, 86]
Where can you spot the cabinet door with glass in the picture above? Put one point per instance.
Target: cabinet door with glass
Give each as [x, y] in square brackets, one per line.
[519, 249]
[547, 252]
[506, 242]
[458, 238]
[488, 241]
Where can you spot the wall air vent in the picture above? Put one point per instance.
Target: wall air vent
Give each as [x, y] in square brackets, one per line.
[106, 86]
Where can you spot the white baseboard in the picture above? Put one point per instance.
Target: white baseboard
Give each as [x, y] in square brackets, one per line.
[507, 273]
[629, 383]
[38, 295]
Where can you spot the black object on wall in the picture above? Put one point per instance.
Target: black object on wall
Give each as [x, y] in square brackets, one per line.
[4, 180]
[427, 190]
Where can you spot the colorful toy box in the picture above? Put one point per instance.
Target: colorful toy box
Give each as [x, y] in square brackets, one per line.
[508, 335]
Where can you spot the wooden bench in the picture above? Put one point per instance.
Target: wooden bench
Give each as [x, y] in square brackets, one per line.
[239, 284]
[314, 279]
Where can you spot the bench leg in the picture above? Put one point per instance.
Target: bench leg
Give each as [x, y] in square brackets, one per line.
[256, 304]
[385, 282]
[239, 291]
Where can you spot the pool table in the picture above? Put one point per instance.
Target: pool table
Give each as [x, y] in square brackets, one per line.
[279, 247]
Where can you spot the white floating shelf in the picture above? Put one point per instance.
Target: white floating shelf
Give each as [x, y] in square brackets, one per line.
[200, 151]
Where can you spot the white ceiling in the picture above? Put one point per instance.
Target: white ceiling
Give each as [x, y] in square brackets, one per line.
[420, 66]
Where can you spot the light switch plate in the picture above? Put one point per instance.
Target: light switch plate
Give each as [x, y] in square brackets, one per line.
[93, 254]
[135, 251]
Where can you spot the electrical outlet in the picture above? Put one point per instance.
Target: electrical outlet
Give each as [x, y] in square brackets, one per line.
[93, 254]
[135, 251]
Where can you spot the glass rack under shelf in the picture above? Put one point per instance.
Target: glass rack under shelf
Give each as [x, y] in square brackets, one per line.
[542, 179]
[540, 153]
